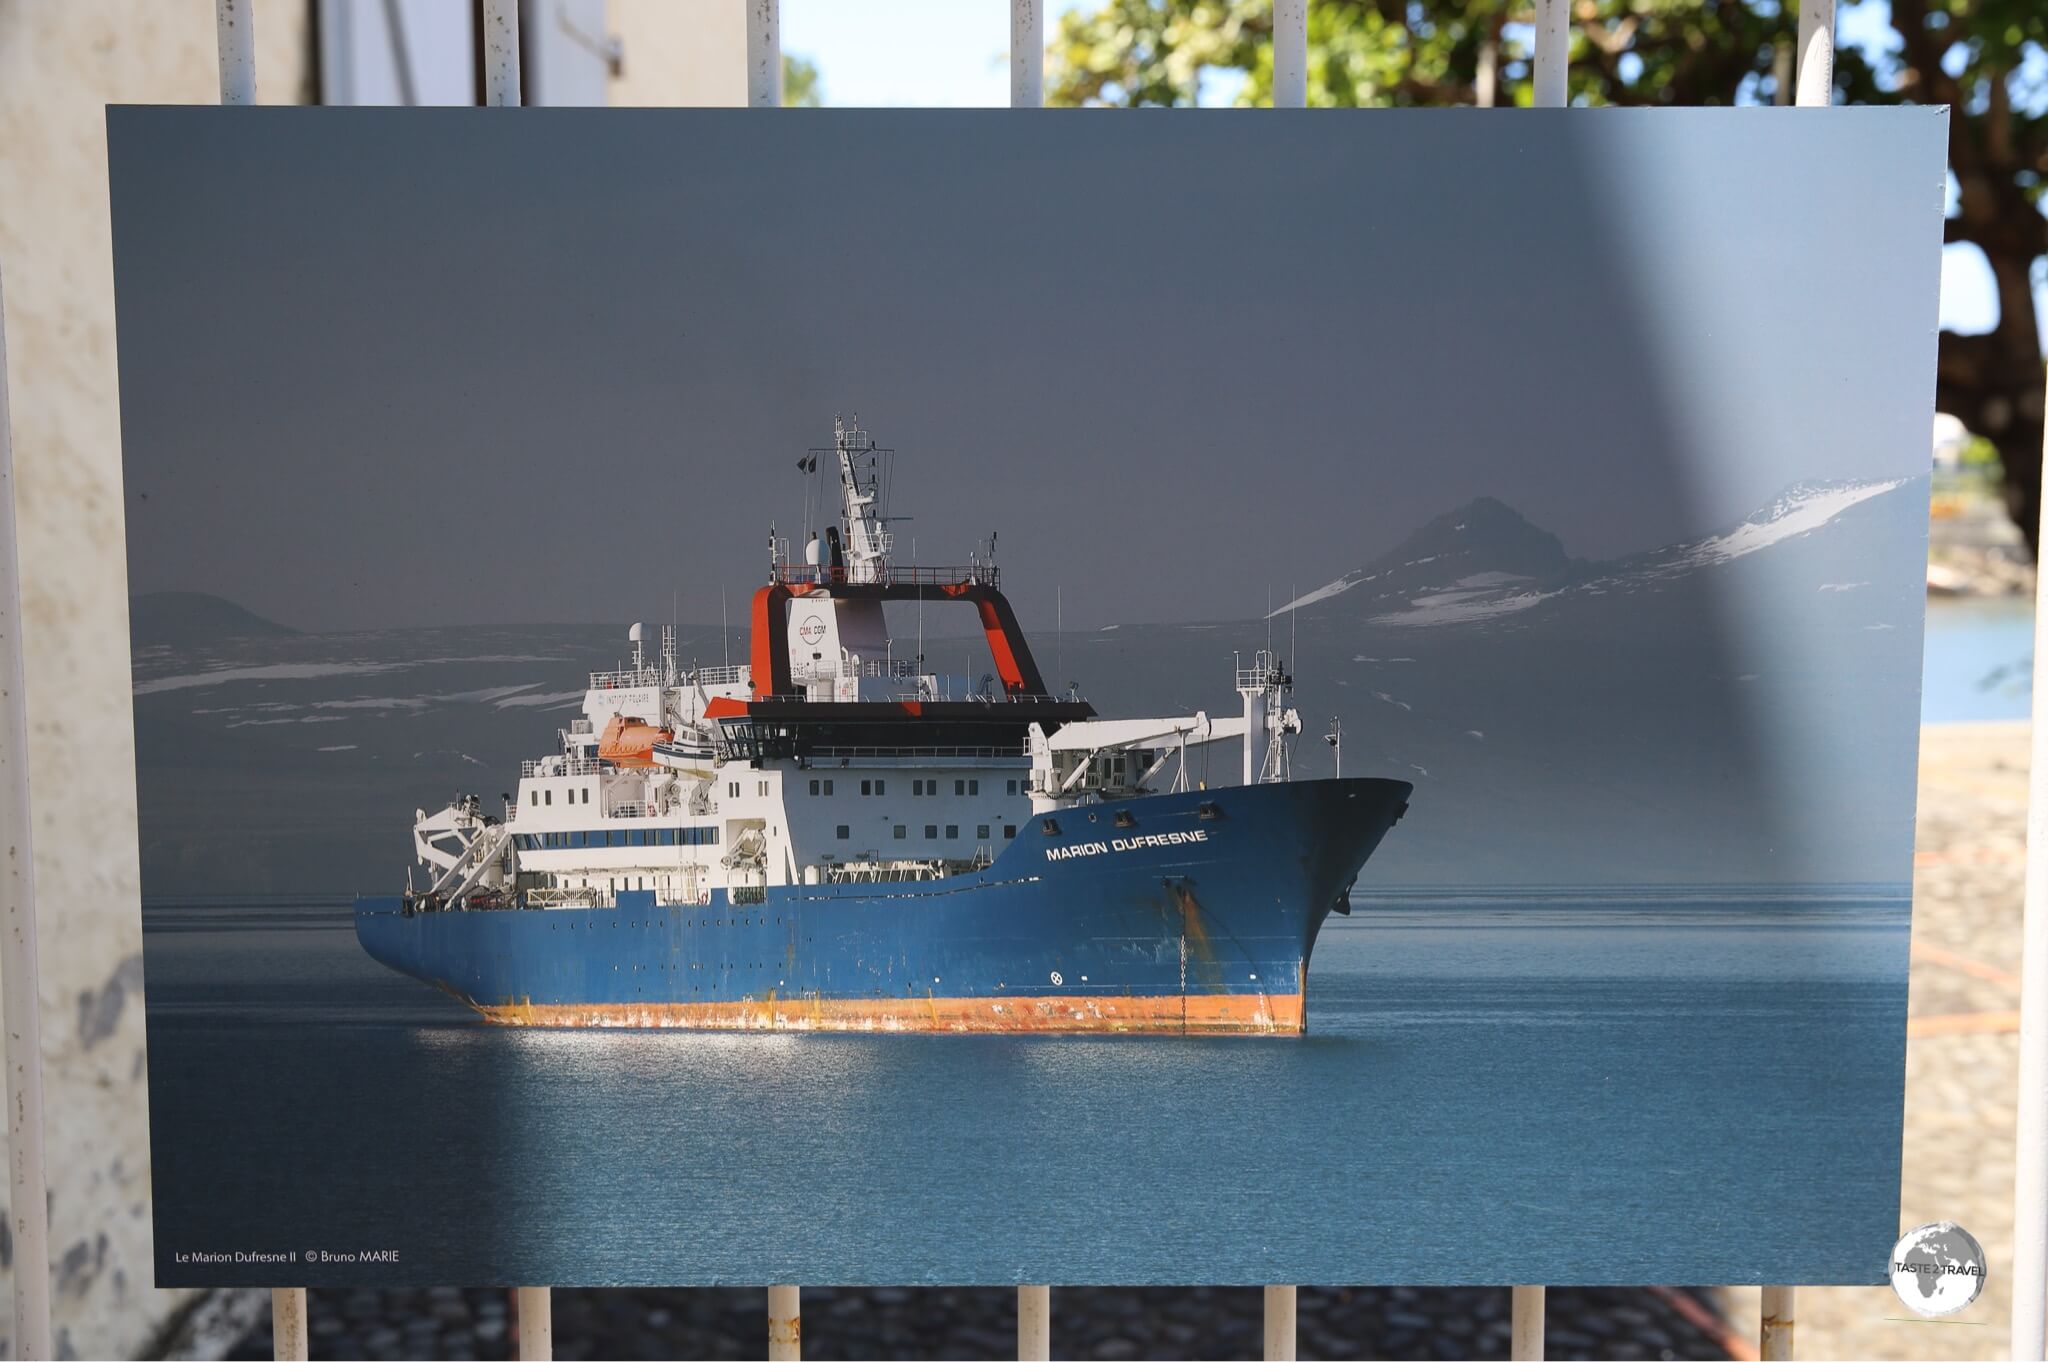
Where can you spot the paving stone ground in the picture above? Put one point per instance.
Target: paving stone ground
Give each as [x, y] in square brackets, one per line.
[1961, 1076]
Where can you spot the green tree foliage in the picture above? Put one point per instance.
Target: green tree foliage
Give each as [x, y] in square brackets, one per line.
[1988, 59]
[800, 88]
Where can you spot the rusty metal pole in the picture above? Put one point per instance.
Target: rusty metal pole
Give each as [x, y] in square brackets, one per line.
[288, 1340]
[1774, 1330]
[28, 1218]
[1525, 1324]
[785, 1324]
[764, 54]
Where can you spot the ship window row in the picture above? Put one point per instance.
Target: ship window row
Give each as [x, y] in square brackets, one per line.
[821, 787]
[540, 797]
[981, 831]
[617, 837]
[878, 787]
[960, 787]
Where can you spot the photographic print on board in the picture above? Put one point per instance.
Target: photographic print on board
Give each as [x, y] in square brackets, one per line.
[871, 697]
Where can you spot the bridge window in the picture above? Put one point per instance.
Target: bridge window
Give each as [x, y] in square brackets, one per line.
[974, 787]
[952, 830]
[917, 787]
[901, 832]
[881, 787]
[981, 832]
[1009, 787]
[550, 796]
[844, 832]
[536, 797]
[867, 787]
[931, 832]
[828, 787]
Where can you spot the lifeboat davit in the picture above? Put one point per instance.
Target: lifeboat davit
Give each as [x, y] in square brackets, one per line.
[630, 742]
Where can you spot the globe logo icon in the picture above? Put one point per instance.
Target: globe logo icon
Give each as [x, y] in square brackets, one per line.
[1937, 1269]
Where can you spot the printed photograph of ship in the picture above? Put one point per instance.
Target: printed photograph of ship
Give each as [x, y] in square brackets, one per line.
[888, 698]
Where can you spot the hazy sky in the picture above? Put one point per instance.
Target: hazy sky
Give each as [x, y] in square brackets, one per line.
[436, 366]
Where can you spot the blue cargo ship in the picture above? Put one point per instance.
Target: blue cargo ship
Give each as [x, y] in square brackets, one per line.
[833, 837]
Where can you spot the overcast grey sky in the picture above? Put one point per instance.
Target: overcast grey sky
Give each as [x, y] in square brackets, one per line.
[392, 367]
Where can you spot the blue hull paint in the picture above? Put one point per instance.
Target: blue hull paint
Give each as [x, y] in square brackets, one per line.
[1204, 918]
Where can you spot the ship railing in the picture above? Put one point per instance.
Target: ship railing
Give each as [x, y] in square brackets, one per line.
[622, 680]
[957, 756]
[559, 766]
[815, 574]
[722, 676]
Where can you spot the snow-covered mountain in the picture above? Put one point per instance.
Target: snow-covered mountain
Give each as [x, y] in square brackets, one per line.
[1485, 561]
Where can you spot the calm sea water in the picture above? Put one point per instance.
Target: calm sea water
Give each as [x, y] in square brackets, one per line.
[1605, 1087]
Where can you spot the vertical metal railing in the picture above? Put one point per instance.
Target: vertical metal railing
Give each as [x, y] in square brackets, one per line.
[2030, 1173]
[1290, 91]
[234, 26]
[1027, 91]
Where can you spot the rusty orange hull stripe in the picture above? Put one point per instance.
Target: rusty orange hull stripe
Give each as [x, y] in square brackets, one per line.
[1273, 1014]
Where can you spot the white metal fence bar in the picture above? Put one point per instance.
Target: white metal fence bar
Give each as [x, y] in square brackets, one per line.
[1547, 70]
[289, 1339]
[1290, 91]
[785, 1324]
[1553, 53]
[234, 24]
[234, 33]
[1281, 1305]
[1525, 1324]
[535, 1304]
[28, 1218]
[2030, 1183]
[1027, 91]
[536, 1313]
[501, 53]
[764, 54]
[1290, 54]
[1034, 1324]
[1815, 82]
[1027, 54]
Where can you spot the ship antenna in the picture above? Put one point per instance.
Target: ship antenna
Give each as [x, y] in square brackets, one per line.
[1059, 631]
[724, 629]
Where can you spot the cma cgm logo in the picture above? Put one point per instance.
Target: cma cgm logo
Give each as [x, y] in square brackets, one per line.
[811, 630]
[1150, 839]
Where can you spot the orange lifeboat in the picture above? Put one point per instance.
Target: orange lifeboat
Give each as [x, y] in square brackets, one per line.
[630, 742]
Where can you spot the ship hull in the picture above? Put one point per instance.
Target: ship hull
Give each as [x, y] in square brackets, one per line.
[1180, 913]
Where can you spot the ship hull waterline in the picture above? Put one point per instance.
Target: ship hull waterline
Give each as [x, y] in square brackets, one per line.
[1187, 913]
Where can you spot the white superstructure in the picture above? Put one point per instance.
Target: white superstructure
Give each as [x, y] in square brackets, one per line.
[849, 763]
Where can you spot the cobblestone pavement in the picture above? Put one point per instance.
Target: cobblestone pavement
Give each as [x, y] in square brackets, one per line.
[1962, 1051]
[1961, 1073]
